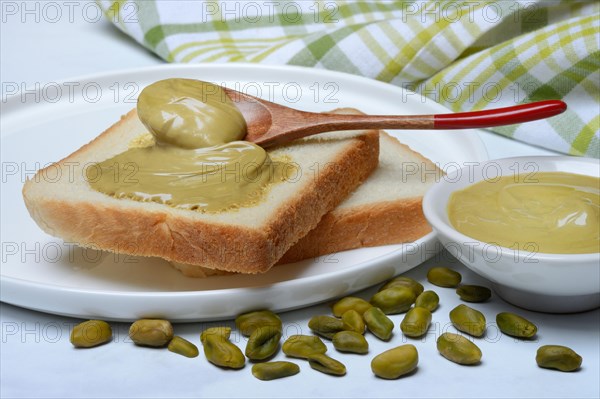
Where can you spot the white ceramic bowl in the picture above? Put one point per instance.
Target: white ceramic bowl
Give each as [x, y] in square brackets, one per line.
[555, 283]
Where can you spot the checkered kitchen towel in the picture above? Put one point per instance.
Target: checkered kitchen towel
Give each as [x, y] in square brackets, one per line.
[466, 55]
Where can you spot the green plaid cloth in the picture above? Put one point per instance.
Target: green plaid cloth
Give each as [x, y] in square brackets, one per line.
[466, 55]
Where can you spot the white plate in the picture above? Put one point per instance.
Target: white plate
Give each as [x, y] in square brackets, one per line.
[44, 273]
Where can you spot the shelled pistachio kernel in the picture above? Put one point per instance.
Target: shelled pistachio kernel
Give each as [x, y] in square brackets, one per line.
[220, 331]
[394, 300]
[91, 333]
[468, 320]
[350, 303]
[416, 322]
[219, 350]
[395, 362]
[302, 346]
[151, 332]
[273, 370]
[323, 363]
[326, 326]
[378, 323]
[558, 357]
[428, 300]
[263, 343]
[458, 349]
[350, 341]
[353, 321]
[183, 347]
[248, 322]
[473, 293]
[444, 277]
[515, 325]
[403, 281]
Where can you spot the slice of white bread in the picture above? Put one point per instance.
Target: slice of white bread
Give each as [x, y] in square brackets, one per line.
[247, 240]
[385, 209]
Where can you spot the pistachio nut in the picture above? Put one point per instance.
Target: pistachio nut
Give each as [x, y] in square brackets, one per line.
[353, 321]
[302, 346]
[151, 332]
[248, 322]
[443, 277]
[263, 343]
[350, 302]
[323, 363]
[458, 349]
[403, 281]
[468, 320]
[473, 293]
[515, 325]
[224, 332]
[326, 326]
[183, 347]
[395, 362]
[416, 322]
[91, 333]
[558, 357]
[378, 323]
[219, 350]
[273, 370]
[394, 300]
[428, 300]
[350, 341]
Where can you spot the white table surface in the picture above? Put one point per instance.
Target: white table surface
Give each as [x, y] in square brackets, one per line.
[37, 360]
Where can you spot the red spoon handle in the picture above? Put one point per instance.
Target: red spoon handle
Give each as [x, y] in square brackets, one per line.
[501, 116]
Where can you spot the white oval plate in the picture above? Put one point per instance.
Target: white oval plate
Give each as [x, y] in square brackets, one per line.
[43, 273]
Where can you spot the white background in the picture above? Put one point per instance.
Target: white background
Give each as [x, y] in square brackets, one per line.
[36, 359]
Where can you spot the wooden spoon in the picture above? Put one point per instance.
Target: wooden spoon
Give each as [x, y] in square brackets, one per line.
[271, 124]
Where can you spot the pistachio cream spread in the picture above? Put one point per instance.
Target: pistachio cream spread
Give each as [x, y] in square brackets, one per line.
[193, 157]
[548, 212]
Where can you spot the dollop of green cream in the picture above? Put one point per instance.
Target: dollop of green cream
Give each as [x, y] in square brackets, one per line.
[190, 113]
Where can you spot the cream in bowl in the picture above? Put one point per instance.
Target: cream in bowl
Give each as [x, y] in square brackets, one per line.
[557, 212]
[531, 225]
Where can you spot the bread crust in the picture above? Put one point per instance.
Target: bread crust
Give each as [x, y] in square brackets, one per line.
[370, 225]
[174, 237]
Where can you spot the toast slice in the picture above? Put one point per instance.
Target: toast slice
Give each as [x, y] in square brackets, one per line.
[246, 240]
[385, 209]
